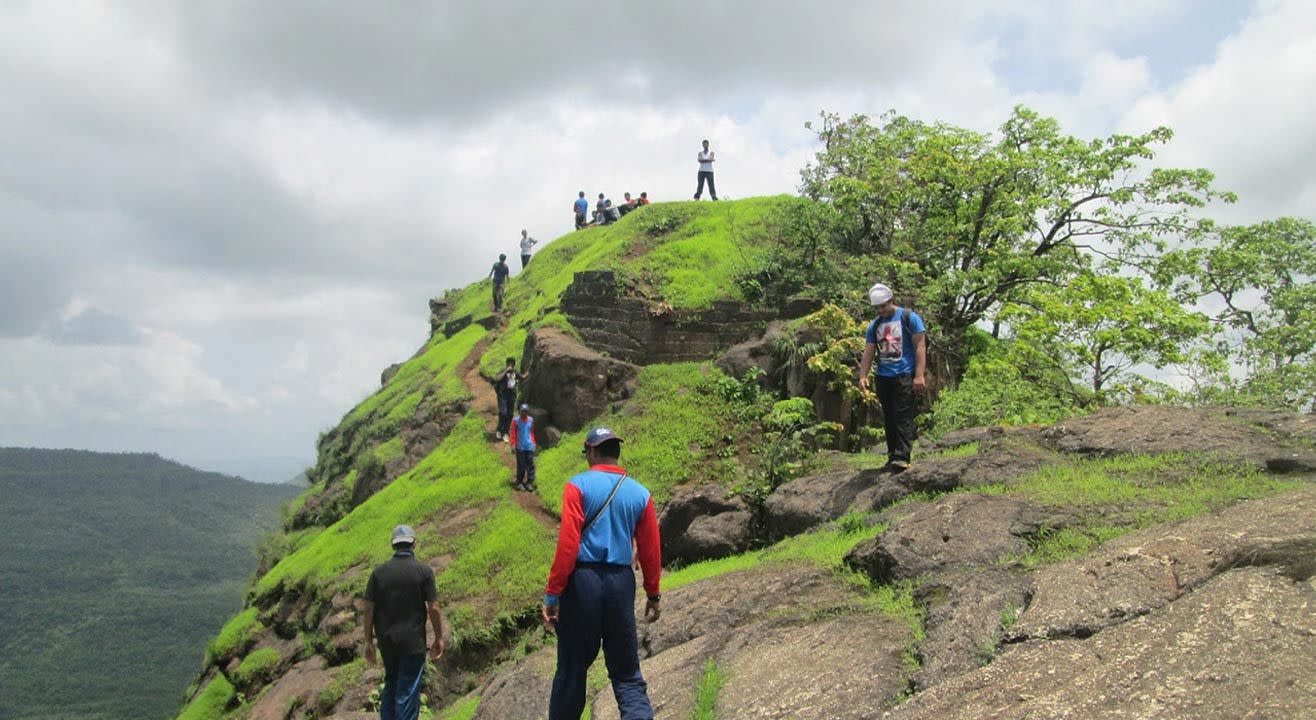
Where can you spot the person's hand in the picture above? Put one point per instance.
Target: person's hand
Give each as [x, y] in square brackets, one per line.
[652, 611]
[863, 383]
[370, 653]
[920, 383]
[436, 650]
[550, 614]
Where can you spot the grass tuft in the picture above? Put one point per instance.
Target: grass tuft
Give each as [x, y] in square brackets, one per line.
[708, 690]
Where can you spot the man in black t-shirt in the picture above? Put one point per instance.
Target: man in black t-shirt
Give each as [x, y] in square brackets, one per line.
[398, 597]
[499, 274]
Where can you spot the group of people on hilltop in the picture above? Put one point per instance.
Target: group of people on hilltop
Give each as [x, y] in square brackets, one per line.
[605, 213]
[608, 523]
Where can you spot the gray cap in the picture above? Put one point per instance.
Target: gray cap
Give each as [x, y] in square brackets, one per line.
[404, 535]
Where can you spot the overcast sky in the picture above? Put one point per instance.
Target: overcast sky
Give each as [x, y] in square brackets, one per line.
[219, 221]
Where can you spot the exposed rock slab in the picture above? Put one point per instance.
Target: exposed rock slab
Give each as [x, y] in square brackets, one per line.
[1137, 573]
[957, 530]
[1157, 429]
[672, 677]
[571, 382]
[963, 623]
[809, 501]
[1243, 645]
[298, 686]
[520, 692]
[704, 522]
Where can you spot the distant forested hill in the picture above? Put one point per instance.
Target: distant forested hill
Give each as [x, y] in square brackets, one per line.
[114, 570]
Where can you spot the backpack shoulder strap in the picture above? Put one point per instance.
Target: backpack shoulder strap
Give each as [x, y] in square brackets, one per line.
[592, 518]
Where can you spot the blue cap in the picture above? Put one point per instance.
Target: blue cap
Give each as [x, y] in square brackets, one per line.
[600, 435]
[404, 535]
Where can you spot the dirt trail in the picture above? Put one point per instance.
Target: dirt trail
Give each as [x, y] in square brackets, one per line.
[485, 402]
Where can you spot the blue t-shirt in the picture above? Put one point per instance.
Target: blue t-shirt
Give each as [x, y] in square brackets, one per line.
[582, 206]
[525, 428]
[500, 272]
[895, 351]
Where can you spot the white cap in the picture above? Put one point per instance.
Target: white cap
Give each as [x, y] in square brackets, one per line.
[880, 294]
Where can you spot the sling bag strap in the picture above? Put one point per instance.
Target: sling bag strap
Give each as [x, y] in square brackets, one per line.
[590, 522]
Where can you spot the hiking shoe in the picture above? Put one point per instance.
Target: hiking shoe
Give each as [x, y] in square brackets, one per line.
[898, 466]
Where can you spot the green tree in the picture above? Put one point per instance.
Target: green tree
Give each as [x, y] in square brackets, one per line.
[967, 221]
[1099, 327]
[1258, 279]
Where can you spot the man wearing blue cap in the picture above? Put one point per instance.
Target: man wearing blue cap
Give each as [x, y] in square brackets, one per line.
[398, 597]
[590, 598]
[897, 338]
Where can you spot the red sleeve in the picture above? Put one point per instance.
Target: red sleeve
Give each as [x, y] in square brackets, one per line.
[511, 434]
[568, 540]
[649, 544]
[533, 440]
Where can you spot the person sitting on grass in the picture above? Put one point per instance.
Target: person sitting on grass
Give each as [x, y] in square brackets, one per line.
[627, 206]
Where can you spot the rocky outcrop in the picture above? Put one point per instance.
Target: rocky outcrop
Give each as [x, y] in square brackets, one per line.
[809, 501]
[295, 688]
[704, 522]
[758, 354]
[572, 383]
[1159, 429]
[955, 531]
[521, 691]
[966, 610]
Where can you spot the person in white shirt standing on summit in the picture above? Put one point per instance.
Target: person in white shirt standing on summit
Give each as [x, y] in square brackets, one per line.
[706, 161]
[527, 242]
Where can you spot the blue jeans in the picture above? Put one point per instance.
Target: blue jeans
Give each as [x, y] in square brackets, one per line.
[525, 467]
[598, 606]
[403, 674]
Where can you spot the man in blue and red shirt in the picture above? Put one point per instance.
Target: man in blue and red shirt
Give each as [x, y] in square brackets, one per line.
[522, 438]
[897, 339]
[590, 597]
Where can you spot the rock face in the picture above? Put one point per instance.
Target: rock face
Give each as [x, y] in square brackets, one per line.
[704, 522]
[757, 354]
[809, 501]
[1156, 429]
[297, 687]
[1207, 618]
[520, 692]
[955, 531]
[572, 383]
[966, 609]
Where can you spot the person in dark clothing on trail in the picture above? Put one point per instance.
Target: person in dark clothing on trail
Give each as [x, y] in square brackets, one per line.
[505, 389]
[524, 445]
[499, 274]
[706, 160]
[897, 337]
[399, 596]
[590, 598]
[582, 209]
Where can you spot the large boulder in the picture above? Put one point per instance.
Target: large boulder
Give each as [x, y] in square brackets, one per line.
[759, 354]
[809, 501]
[519, 692]
[571, 382]
[297, 687]
[704, 522]
[1242, 645]
[956, 530]
[1138, 573]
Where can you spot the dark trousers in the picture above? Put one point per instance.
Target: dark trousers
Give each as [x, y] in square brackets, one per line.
[498, 297]
[712, 190]
[506, 409]
[400, 698]
[899, 408]
[581, 221]
[598, 606]
[525, 260]
[525, 467]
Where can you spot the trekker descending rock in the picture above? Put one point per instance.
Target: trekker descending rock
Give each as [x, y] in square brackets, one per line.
[505, 388]
[398, 597]
[499, 274]
[582, 209]
[527, 242]
[524, 445]
[590, 598]
[706, 160]
[897, 337]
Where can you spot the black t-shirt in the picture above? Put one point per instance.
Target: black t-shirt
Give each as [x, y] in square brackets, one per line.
[400, 590]
[500, 272]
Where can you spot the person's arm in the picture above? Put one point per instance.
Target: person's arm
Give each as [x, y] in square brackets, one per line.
[866, 365]
[920, 360]
[436, 622]
[368, 630]
[648, 545]
[511, 435]
[568, 547]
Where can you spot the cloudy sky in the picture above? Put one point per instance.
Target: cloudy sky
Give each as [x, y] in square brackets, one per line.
[220, 220]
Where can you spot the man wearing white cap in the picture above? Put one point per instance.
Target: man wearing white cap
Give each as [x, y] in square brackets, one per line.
[897, 338]
[398, 598]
